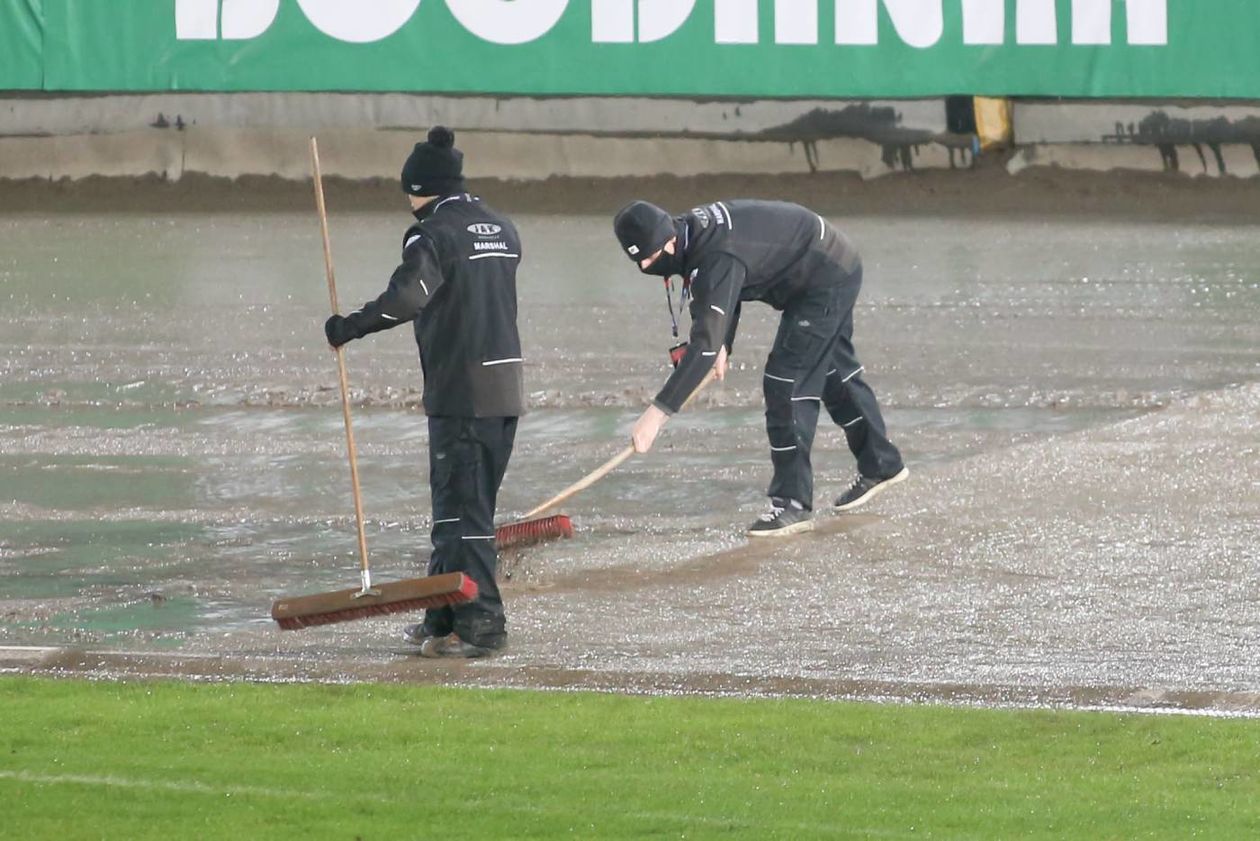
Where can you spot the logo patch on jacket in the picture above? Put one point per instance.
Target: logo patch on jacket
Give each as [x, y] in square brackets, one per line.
[485, 229]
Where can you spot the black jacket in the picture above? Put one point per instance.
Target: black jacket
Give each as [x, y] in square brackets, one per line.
[457, 281]
[744, 250]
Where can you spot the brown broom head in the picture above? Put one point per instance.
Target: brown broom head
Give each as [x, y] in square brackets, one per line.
[390, 597]
[530, 532]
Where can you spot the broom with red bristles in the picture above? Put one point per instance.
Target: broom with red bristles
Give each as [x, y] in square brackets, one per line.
[526, 531]
[367, 600]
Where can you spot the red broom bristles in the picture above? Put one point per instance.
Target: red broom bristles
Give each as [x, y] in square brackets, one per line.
[512, 535]
[530, 532]
[294, 623]
[294, 612]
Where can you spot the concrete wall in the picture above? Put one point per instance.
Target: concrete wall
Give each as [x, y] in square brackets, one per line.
[366, 135]
[891, 120]
[1198, 138]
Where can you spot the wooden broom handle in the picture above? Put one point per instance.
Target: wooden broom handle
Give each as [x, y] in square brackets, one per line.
[583, 483]
[607, 467]
[341, 361]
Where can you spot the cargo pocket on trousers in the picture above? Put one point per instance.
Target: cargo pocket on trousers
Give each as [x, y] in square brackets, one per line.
[441, 470]
[799, 347]
[464, 458]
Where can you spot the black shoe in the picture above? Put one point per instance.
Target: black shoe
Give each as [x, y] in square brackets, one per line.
[417, 634]
[783, 518]
[865, 489]
[453, 646]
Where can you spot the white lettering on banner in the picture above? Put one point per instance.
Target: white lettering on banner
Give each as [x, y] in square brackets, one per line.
[508, 21]
[1036, 22]
[921, 23]
[918, 23]
[658, 19]
[735, 21]
[1091, 21]
[984, 21]
[196, 20]
[1148, 22]
[613, 21]
[795, 21]
[245, 19]
[359, 23]
[199, 20]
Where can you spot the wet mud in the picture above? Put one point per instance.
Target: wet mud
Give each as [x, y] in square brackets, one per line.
[1077, 399]
[981, 188]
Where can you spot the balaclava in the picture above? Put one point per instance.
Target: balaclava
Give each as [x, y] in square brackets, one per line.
[643, 229]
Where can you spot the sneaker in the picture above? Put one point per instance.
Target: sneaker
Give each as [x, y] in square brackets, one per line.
[782, 519]
[418, 633]
[453, 646]
[865, 489]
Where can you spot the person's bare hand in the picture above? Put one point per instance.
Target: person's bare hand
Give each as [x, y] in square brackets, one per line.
[646, 428]
[719, 367]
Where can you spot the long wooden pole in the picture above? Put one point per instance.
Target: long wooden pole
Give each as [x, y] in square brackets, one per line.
[605, 468]
[582, 484]
[341, 371]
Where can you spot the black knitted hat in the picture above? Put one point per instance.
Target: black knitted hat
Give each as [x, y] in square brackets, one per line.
[434, 168]
[642, 229]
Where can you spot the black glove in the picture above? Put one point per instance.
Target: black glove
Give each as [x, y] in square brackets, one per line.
[339, 330]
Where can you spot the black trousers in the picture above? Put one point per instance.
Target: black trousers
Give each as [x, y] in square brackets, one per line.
[467, 459]
[813, 364]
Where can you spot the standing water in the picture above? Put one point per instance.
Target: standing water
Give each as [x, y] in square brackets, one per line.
[172, 458]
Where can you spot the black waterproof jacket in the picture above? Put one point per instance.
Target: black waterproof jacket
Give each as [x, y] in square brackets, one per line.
[457, 282]
[745, 250]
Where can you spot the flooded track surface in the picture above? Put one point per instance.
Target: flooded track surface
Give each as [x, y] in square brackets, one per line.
[1076, 400]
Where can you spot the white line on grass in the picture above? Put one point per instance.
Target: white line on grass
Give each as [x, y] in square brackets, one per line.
[156, 785]
[26, 652]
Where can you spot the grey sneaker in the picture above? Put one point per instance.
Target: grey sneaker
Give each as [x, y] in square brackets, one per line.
[418, 633]
[784, 517]
[865, 489]
[453, 646]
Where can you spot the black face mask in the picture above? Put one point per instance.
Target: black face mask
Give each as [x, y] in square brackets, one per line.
[424, 212]
[668, 265]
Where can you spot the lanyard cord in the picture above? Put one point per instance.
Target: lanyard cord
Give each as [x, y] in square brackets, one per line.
[682, 300]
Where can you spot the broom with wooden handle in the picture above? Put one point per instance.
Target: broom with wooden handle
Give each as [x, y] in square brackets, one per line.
[391, 597]
[532, 531]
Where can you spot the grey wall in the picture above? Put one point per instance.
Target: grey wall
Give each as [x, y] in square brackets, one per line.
[365, 135]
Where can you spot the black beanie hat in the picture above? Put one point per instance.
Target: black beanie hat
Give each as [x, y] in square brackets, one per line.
[642, 229]
[434, 168]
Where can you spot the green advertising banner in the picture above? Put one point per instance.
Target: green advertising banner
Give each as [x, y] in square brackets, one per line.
[699, 48]
[21, 45]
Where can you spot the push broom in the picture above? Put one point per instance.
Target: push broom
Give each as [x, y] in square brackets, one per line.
[367, 600]
[528, 531]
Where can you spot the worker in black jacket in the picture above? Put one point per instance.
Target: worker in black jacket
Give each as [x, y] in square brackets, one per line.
[457, 284]
[791, 258]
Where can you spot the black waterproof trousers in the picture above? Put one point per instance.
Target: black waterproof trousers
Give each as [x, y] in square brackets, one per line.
[467, 459]
[813, 364]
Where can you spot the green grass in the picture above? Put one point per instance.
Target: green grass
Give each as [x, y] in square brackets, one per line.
[175, 760]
